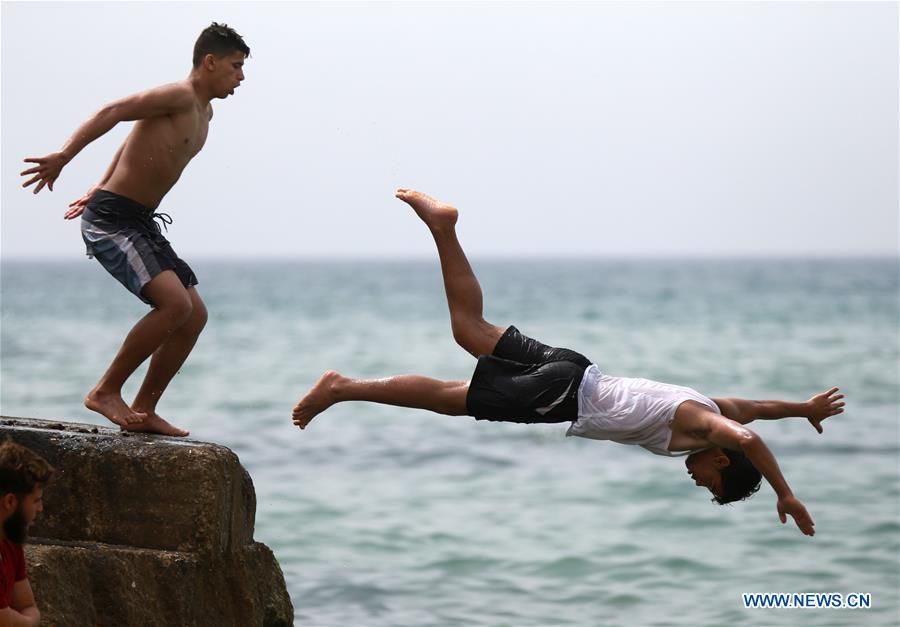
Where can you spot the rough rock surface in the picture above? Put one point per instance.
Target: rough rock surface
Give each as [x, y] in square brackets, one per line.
[146, 530]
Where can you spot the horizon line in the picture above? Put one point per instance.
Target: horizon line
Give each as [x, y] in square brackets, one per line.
[512, 257]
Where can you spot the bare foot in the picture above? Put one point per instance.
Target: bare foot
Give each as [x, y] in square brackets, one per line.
[435, 214]
[113, 408]
[318, 399]
[154, 424]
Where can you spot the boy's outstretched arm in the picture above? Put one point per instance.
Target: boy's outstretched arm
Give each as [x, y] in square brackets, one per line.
[154, 102]
[721, 431]
[815, 410]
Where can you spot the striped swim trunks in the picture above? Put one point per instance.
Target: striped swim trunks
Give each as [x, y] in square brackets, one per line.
[121, 234]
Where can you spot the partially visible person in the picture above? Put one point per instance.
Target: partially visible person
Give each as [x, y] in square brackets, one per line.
[23, 475]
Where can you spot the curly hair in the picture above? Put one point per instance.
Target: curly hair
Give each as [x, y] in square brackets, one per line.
[21, 469]
[740, 479]
[220, 40]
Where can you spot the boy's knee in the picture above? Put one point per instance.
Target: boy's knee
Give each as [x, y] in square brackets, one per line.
[199, 315]
[474, 335]
[463, 336]
[459, 334]
[178, 310]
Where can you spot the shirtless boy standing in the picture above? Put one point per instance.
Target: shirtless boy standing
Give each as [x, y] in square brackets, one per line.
[117, 220]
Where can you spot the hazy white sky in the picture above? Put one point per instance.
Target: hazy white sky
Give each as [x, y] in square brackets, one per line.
[650, 129]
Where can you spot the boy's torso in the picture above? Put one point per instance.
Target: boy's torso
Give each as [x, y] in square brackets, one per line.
[156, 152]
[634, 411]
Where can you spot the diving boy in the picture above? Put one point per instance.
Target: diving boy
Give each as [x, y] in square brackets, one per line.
[518, 379]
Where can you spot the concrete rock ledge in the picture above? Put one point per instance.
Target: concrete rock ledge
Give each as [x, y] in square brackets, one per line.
[146, 530]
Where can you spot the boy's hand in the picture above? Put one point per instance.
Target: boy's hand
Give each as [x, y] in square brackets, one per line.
[823, 405]
[46, 171]
[792, 505]
[77, 208]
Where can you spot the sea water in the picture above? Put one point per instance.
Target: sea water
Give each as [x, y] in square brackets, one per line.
[391, 516]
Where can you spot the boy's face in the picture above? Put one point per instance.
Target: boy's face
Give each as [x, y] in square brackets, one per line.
[33, 504]
[705, 468]
[22, 513]
[225, 73]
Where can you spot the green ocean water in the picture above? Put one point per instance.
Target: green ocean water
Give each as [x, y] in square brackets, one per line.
[385, 516]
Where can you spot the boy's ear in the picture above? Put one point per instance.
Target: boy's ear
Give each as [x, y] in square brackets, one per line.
[721, 460]
[9, 501]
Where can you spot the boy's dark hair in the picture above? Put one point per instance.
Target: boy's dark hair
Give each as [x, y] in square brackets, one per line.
[21, 469]
[740, 479]
[220, 40]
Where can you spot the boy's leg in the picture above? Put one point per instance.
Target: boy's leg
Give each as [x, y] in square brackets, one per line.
[442, 397]
[464, 298]
[164, 365]
[173, 308]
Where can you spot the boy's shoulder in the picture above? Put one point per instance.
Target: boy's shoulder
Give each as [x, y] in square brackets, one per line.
[178, 95]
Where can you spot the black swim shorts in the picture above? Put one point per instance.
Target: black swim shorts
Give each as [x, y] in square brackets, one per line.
[526, 381]
[122, 235]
